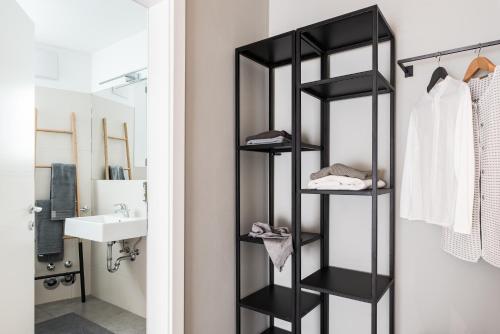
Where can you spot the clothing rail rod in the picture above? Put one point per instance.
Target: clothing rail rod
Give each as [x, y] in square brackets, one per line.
[408, 69]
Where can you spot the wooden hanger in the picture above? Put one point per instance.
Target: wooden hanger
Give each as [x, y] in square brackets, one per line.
[479, 63]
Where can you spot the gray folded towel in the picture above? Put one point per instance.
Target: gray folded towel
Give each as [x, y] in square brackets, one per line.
[63, 191]
[269, 135]
[277, 240]
[341, 170]
[116, 173]
[49, 234]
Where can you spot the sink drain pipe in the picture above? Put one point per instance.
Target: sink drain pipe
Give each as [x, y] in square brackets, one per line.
[131, 255]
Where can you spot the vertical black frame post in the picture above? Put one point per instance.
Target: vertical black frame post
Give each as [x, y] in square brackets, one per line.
[296, 182]
[374, 194]
[392, 214]
[82, 271]
[325, 199]
[237, 189]
[271, 175]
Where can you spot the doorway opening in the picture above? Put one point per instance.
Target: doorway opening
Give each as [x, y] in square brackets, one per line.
[91, 78]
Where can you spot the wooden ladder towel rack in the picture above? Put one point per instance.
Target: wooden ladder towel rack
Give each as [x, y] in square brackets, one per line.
[74, 148]
[107, 137]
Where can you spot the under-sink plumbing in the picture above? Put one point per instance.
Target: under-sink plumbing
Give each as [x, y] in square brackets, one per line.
[131, 254]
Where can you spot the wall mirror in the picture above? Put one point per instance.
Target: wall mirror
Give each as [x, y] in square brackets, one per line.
[119, 136]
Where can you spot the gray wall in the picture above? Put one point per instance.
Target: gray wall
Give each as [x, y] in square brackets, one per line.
[436, 293]
[214, 29]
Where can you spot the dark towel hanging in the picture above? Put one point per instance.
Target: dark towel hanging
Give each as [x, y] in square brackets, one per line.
[63, 191]
[116, 173]
[49, 234]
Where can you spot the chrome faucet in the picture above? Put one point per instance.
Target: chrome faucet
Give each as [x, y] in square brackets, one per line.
[123, 209]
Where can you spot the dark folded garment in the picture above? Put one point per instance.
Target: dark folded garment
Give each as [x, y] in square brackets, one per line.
[49, 234]
[63, 191]
[269, 135]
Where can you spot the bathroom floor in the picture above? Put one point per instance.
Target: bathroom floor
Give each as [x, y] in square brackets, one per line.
[113, 318]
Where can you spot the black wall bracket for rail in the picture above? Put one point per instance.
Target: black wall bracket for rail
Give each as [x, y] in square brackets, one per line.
[408, 69]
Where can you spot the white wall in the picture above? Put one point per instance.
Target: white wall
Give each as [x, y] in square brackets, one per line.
[123, 95]
[53, 113]
[140, 123]
[165, 263]
[435, 293]
[178, 116]
[125, 288]
[79, 71]
[61, 68]
[125, 56]
[214, 30]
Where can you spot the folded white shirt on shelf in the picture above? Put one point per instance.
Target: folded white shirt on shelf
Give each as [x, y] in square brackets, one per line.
[335, 182]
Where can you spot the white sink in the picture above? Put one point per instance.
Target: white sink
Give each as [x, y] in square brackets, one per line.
[105, 228]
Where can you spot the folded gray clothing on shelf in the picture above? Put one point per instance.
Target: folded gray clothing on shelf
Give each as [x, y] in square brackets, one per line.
[269, 135]
[277, 240]
[275, 140]
[341, 170]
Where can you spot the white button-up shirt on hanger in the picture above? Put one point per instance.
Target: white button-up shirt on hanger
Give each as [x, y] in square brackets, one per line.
[438, 175]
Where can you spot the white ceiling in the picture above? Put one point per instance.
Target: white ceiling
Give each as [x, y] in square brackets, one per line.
[85, 25]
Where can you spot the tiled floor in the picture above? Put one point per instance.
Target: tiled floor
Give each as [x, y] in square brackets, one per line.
[113, 318]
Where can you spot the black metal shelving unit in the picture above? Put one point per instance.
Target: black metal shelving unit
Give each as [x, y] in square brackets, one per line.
[273, 300]
[366, 27]
[362, 28]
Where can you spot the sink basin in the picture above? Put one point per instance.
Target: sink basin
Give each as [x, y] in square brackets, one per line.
[105, 228]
